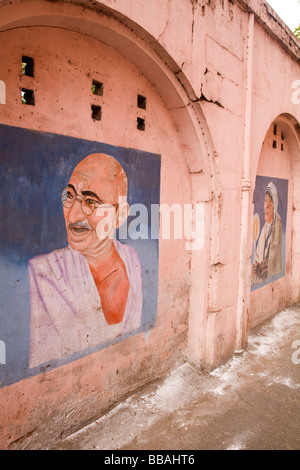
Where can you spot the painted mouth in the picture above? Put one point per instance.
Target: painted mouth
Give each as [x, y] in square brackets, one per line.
[77, 229]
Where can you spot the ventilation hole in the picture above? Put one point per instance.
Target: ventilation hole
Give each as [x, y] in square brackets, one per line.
[141, 102]
[282, 147]
[275, 129]
[96, 112]
[282, 136]
[274, 144]
[141, 124]
[97, 88]
[27, 66]
[27, 96]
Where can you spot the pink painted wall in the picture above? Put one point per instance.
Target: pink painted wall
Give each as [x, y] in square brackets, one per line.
[275, 163]
[63, 107]
[195, 86]
[267, 161]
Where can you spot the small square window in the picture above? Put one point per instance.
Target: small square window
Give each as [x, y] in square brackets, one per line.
[141, 102]
[96, 112]
[27, 66]
[141, 124]
[27, 96]
[97, 88]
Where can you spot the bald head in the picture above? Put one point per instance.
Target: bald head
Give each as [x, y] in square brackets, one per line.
[104, 175]
[97, 203]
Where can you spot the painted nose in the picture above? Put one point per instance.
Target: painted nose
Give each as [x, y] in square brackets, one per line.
[75, 212]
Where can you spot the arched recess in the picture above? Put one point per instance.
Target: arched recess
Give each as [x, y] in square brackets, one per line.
[276, 285]
[145, 52]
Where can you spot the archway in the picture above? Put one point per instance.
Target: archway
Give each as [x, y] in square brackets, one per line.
[275, 251]
[145, 52]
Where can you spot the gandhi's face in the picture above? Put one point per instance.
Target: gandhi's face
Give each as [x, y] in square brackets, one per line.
[269, 209]
[94, 184]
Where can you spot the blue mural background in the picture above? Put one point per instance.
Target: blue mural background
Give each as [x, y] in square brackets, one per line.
[258, 199]
[34, 168]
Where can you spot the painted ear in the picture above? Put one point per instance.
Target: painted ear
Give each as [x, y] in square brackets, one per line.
[123, 211]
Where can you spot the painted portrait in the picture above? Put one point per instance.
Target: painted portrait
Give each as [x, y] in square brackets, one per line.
[72, 279]
[269, 230]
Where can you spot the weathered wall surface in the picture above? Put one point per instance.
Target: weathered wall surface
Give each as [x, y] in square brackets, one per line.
[217, 76]
[64, 107]
[277, 157]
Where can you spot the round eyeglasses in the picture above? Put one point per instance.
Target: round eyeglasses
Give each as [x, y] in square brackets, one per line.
[88, 202]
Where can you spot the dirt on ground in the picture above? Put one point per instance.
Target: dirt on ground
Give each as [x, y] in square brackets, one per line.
[250, 403]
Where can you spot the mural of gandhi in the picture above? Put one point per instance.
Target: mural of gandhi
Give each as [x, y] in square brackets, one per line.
[89, 292]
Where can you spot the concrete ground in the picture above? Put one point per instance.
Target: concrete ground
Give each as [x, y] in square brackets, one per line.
[250, 403]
